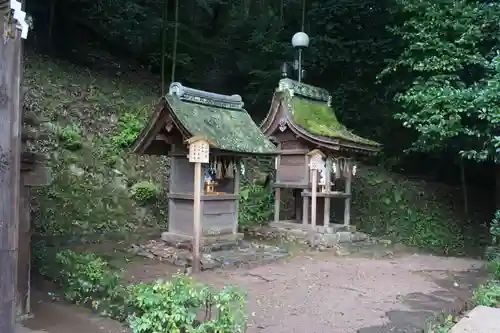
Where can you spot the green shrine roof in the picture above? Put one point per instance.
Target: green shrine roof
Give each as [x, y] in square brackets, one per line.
[310, 109]
[218, 118]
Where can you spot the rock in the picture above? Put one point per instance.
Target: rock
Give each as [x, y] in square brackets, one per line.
[76, 171]
[481, 319]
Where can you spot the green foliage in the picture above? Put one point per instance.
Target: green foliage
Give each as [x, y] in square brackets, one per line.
[444, 326]
[451, 60]
[71, 137]
[256, 205]
[160, 307]
[488, 294]
[175, 307]
[493, 251]
[144, 191]
[87, 279]
[130, 125]
[391, 206]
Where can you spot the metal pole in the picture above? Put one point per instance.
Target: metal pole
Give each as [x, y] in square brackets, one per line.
[10, 169]
[300, 65]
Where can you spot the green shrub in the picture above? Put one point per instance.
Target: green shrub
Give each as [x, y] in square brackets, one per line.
[144, 191]
[130, 125]
[256, 206]
[87, 279]
[493, 251]
[71, 137]
[178, 305]
[488, 294]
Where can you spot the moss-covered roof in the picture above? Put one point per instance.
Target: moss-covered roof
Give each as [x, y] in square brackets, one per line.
[311, 110]
[319, 119]
[225, 123]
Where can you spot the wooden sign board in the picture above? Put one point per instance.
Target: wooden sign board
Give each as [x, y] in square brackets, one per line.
[199, 150]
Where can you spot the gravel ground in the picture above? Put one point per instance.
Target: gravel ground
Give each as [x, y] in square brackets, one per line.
[347, 295]
[318, 294]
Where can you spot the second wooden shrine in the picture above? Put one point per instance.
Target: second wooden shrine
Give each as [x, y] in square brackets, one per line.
[303, 124]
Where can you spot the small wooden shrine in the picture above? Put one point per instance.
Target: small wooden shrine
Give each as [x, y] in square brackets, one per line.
[221, 120]
[303, 124]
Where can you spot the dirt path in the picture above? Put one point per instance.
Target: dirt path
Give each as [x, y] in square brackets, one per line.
[348, 295]
[320, 294]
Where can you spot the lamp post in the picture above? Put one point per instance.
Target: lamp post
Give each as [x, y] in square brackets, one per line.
[300, 41]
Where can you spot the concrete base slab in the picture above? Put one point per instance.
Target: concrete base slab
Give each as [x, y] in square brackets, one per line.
[481, 319]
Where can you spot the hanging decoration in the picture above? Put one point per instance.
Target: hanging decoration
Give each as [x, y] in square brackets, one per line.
[342, 167]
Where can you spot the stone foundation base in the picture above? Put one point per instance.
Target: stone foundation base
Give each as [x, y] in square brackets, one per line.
[319, 237]
[207, 243]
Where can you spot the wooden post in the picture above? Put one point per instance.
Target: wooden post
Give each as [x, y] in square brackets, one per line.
[237, 191]
[326, 213]
[277, 201]
[348, 192]
[313, 197]
[197, 217]
[199, 152]
[305, 210]
[315, 162]
[10, 169]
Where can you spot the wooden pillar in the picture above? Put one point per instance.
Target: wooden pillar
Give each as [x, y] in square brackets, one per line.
[348, 192]
[237, 192]
[10, 169]
[305, 210]
[314, 198]
[197, 217]
[277, 201]
[326, 211]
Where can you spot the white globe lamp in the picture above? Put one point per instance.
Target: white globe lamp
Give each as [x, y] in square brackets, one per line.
[300, 40]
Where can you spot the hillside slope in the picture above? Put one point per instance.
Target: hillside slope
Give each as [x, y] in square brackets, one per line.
[92, 119]
[100, 189]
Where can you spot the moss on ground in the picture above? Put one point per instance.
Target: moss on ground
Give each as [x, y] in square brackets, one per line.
[92, 118]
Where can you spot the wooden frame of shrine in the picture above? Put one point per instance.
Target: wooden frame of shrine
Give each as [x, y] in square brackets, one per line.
[301, 120]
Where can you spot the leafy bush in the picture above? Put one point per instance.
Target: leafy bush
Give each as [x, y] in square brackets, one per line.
[87, 279]
[488, 294]
[493, 251]
[71, 137]
[178, 305]
[256, 205]
[130, 126]
[144, 191]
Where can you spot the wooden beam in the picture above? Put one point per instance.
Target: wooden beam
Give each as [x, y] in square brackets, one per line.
[10, 169]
